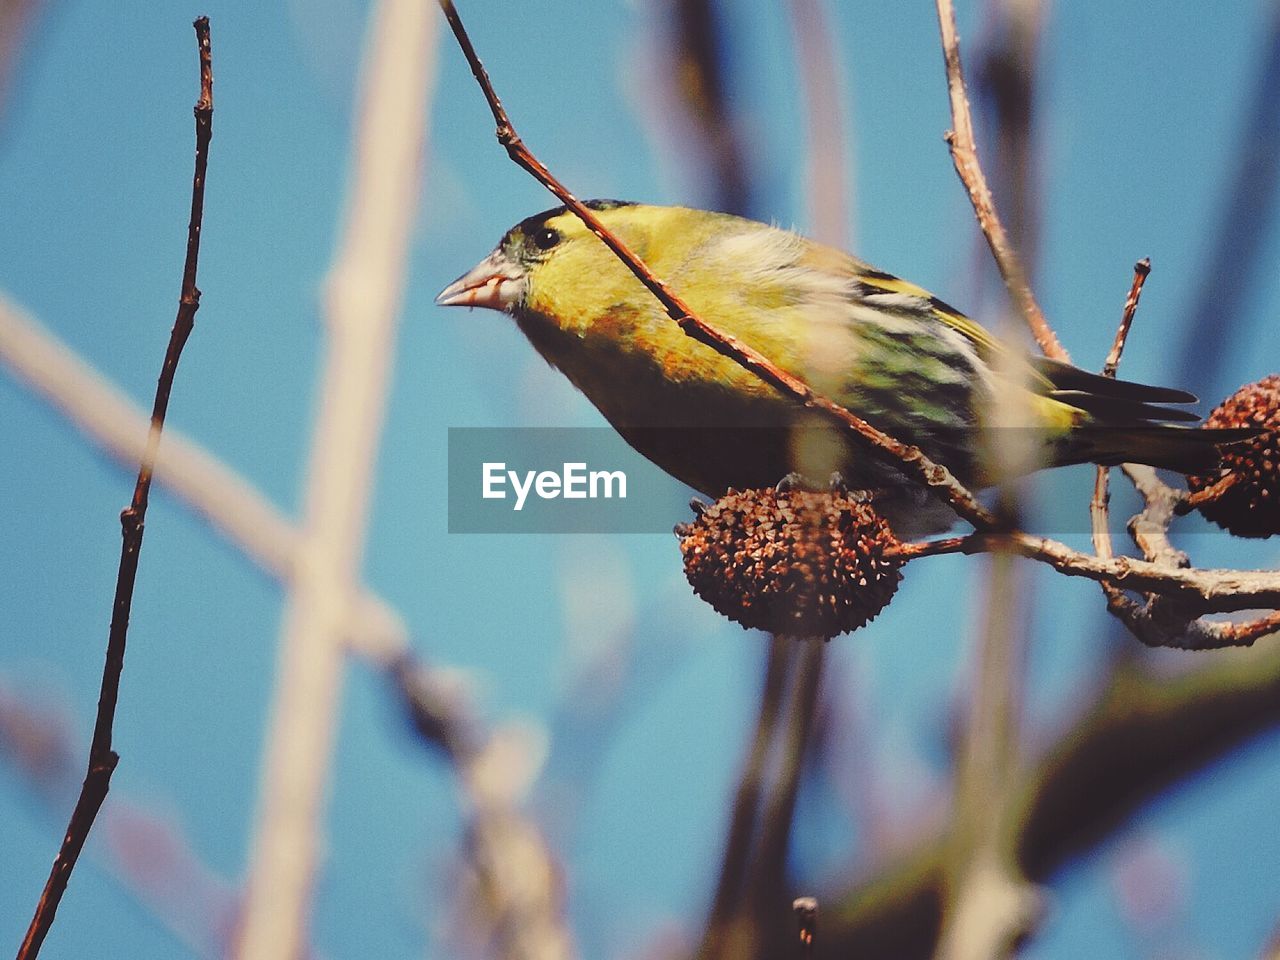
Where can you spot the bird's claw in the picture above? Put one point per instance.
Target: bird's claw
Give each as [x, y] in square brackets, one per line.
[792, 481]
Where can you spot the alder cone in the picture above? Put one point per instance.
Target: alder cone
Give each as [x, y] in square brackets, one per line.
[796, 562]
[1250, 507]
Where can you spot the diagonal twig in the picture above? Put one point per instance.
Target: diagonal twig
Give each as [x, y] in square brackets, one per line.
[1099, 512]
[102, 758]
[964, 153]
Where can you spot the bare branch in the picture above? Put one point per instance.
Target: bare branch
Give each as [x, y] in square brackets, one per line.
[102, 758]
[1099, 513]
[964, 153]
[1201, 590]
[1141, 270]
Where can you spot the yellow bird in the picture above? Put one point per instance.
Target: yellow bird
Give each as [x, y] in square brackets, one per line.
[902, 359]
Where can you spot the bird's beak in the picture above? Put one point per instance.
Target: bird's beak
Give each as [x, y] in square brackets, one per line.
[495, 282]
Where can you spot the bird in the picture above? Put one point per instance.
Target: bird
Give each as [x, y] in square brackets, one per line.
[889, 351]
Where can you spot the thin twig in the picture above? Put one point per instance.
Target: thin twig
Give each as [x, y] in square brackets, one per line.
[1198, 498]
[964, 154]
[362, 303]
[1099, 512]
[1141, 270]
[910, 459]
[102, 758]
[699, 68]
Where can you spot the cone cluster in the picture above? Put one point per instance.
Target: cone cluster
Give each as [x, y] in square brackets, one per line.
[1250, 505]
[796, 562]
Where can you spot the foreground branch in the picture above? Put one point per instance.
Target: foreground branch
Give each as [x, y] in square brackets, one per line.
[102, 758]
[363, 297]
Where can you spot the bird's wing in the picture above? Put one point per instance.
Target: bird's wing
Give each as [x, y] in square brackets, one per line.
[1102, 397]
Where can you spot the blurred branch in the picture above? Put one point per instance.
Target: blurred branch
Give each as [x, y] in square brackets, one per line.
[1006, 78]
[229, 503]
[700, 69]
[102, 758]
[990, 907]
[431, 696]
[256, 528]
[753, 876]
[252, 525]
[726, 903]
[825, 120]
[767, 879]
[515, 908]
[1142, 733]
[16, 19]
[363, 296]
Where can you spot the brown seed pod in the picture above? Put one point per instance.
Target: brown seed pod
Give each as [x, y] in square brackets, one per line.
[795, 562]
[1244, 496]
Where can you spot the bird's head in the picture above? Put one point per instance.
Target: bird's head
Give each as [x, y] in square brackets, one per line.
[533, 253]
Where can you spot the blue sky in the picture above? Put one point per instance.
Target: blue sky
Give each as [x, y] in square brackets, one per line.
[1138, 125]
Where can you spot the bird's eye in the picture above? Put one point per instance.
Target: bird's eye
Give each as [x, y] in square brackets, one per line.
[546, 238]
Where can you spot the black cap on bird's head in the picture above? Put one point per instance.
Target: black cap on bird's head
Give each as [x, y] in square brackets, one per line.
[500, 281]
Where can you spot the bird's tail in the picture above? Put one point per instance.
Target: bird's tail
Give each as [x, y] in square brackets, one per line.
[1191, 450]
[1126, 422]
